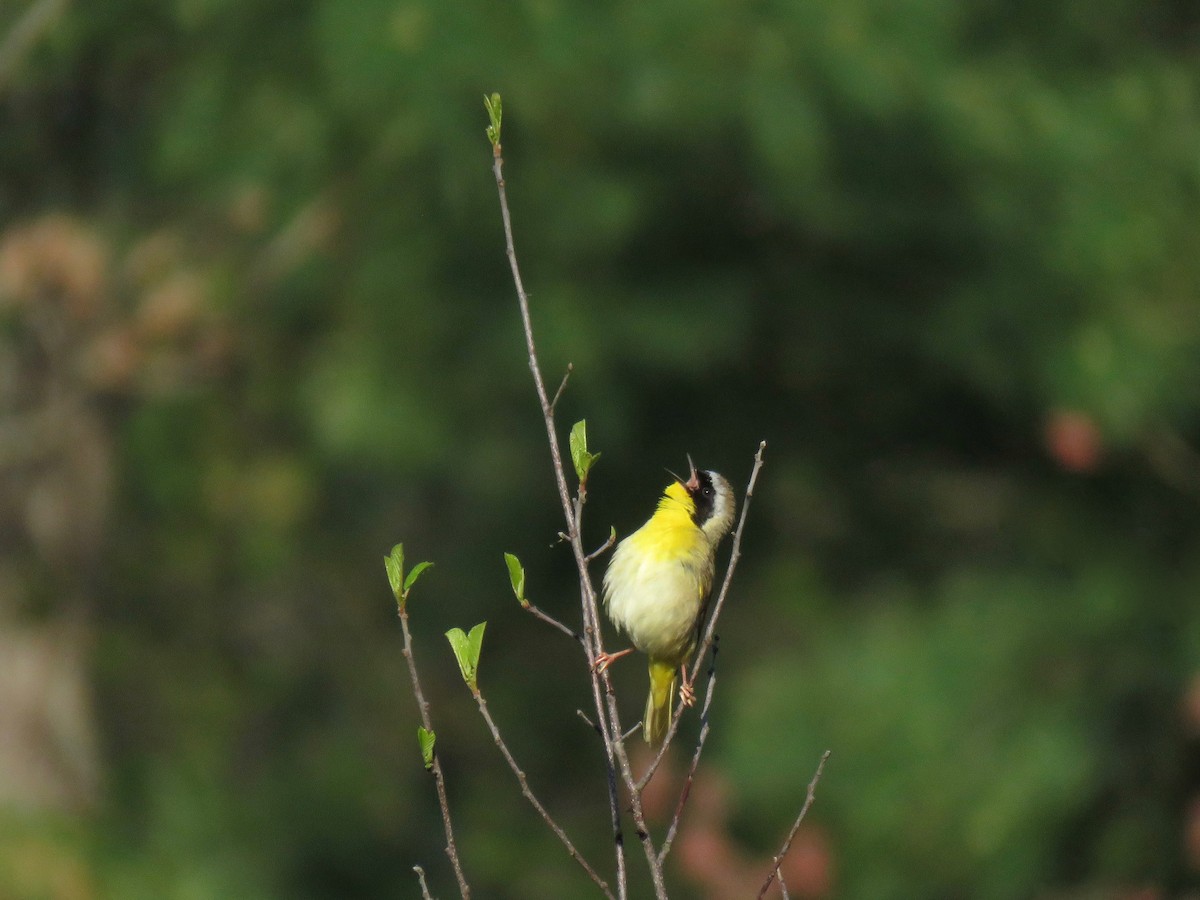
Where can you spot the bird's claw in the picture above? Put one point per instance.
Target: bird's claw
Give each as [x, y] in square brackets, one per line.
[687, 695]
[604, 660]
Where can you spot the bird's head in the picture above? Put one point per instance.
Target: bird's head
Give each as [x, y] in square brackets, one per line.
[712, 501]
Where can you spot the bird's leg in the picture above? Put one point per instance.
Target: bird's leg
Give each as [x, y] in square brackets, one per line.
[687, 694]
[604, 660]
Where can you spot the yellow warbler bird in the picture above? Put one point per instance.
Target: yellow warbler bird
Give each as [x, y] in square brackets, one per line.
[657, 585]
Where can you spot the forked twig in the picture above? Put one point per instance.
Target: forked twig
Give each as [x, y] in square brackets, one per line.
[808, 801]
[435, 765]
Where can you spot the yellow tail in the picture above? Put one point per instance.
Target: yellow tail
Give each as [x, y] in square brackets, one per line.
[658, 705]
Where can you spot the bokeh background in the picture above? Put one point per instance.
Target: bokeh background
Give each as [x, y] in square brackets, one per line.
[256, 326]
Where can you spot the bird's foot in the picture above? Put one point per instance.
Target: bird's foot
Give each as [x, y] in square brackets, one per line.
[687, 694]
[604, 660]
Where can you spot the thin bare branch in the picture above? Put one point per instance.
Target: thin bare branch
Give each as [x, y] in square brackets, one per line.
[591, 724]
[601, 685]
[562, 387]
[614, 747]
[808, 802]
[425, 895]
[691, 775]
[635, 798]
[532, 798]
[552, 622]
[436, 768]
[735, 554]
[612, 539]
[564, 491]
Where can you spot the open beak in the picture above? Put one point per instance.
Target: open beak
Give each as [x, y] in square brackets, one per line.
[693, 481]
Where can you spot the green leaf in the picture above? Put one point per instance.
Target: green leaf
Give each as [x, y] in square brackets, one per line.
[580, 456]
[466, 650]
[414, 575]
[475, 639]
[516, 574]
[394, 563]
[426, 739]
[578, 444]
[458, 643]
[495, 115]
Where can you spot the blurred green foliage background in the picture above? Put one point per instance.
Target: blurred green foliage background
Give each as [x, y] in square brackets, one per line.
[257, 326]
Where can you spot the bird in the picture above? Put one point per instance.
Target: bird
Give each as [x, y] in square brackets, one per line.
[657, 585]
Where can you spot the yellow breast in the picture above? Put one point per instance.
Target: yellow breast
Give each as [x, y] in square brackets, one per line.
[658, 578]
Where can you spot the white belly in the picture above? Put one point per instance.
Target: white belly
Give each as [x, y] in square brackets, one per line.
[655, 601]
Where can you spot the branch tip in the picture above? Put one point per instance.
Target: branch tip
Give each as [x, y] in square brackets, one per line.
[808, 802]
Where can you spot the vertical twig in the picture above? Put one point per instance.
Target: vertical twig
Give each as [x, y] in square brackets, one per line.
[436, 767]
[691, 775]
[735, 553]
[602, 692]
[808, 801]
[635, 798]
[425, 895]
